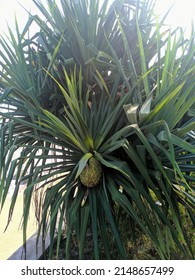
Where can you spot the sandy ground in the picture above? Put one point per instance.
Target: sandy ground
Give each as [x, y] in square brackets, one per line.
[12, 239]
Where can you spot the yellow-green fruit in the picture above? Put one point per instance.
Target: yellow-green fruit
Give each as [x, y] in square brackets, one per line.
[91, 174]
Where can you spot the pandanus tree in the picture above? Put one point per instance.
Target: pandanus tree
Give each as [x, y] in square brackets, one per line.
[99, 104]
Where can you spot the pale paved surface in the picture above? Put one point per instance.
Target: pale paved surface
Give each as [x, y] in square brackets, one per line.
[12, 239]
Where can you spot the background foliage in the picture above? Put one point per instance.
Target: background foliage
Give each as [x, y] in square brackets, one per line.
[111, 82]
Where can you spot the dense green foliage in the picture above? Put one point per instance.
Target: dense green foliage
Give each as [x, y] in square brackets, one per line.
[111, 82]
